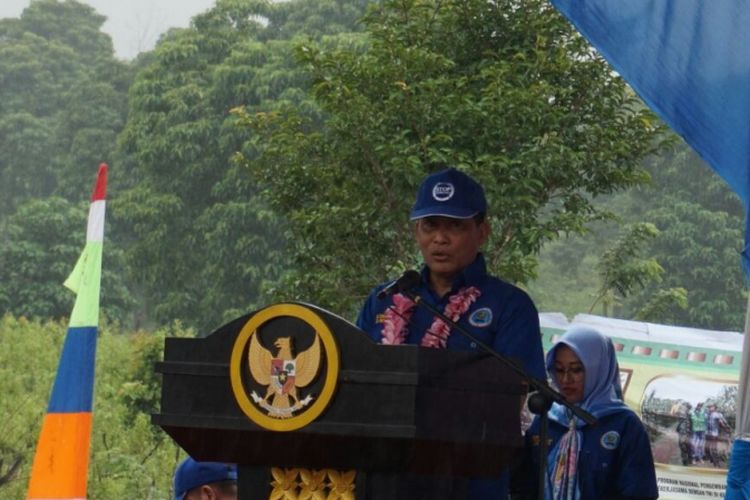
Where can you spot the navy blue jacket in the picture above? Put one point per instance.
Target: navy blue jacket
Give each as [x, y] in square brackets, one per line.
[503, 317]
[615, 459]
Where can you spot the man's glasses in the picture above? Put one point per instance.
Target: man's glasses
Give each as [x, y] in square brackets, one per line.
[575, 372]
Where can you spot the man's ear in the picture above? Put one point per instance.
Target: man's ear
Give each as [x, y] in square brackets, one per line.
[207, 493]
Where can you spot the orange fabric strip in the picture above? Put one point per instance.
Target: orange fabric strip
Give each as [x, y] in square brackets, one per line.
[61, 461]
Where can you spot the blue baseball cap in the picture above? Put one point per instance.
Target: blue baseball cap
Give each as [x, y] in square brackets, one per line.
[449, 193]
[191, 474]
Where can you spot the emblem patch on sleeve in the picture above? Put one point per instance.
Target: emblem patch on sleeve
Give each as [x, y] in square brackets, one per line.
[610, 440]
[481, 317]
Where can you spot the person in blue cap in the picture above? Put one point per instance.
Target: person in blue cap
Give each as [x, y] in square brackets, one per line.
[450, 227]
[610, 460]
[205, 481]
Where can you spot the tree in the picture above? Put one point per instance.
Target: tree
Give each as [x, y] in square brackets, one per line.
[505, 90]
[25, 167]
[199, 236]
[700, 222]
[62, 104]
[41, 244]
[622, 270]
[62, 101]
[71, 24]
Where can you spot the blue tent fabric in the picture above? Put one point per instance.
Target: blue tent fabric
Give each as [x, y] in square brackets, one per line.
[689, 60]
[738, 479]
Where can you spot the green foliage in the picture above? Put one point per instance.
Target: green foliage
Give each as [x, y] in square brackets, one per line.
[25, 169]
[663, 306]
[565, 281]
[62, 101]
[700, 224]
[200, 239]
[700, 248]
[506, 90]
[71, 24]
[28, 351]
[701, 235]
[129, 456]
[621, 268]
[62, 104]
[41, 244]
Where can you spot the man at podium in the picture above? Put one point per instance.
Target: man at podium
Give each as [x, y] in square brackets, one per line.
[450, 228]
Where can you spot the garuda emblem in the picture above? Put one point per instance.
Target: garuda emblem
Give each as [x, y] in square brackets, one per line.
[284, 374]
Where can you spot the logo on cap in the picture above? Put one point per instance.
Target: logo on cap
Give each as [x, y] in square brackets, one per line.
[443, 191]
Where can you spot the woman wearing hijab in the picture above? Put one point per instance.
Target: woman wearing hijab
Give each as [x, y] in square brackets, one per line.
[611, 460]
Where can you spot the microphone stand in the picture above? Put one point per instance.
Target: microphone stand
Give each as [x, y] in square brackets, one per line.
[539, 403]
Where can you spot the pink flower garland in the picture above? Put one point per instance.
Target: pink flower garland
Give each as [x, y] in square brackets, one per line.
[395, 324]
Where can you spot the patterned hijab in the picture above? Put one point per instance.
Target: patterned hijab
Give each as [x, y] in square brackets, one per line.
[602, 395]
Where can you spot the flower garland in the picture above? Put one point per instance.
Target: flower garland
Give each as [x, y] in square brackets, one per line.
[397, 316]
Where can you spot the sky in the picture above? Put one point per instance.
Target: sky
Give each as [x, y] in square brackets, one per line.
[134, 25]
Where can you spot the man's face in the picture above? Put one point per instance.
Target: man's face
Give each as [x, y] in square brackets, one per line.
[448, 245]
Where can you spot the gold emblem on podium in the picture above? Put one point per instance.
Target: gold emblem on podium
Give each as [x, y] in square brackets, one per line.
[283, 374]
[288, 389]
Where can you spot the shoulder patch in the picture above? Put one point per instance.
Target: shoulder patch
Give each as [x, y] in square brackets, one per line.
[610, 440]
[481, 317]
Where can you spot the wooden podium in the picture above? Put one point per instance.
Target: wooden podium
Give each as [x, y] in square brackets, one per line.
[369, 414]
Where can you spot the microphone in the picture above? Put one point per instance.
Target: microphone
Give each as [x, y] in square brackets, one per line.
[410, 279]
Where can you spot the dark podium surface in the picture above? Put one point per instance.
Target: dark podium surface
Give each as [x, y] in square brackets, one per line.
[395, 409]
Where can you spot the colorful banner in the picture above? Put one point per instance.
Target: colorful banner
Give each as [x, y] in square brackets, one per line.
[60, 467]
[683, 383]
